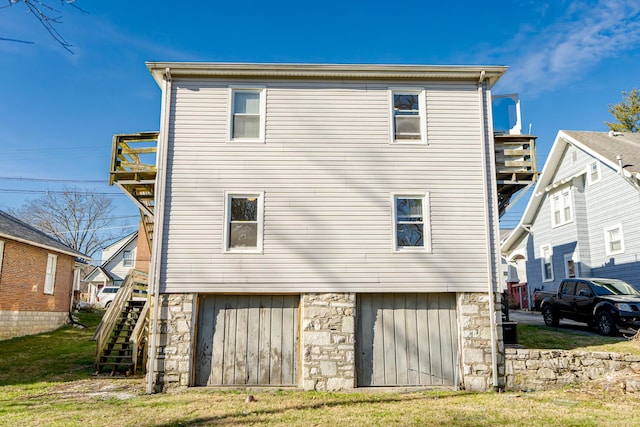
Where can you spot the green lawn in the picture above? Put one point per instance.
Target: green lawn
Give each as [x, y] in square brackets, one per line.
[46, 380]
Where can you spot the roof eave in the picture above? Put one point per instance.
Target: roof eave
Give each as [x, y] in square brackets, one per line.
[326, 71]
[47, 247]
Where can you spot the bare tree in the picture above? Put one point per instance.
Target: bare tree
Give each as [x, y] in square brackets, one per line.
[626, 112]
[48, 16]
[79, 219]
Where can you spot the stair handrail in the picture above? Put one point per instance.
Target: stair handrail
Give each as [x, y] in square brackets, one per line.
[136, 279]
[140, 332]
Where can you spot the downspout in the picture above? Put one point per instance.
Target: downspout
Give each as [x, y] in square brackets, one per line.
[158, 217]
[489, 219]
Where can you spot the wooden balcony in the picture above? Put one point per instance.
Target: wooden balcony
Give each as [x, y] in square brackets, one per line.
[133, 170]
[515, 166]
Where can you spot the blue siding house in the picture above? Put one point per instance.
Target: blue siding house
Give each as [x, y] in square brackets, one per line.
[583, 219]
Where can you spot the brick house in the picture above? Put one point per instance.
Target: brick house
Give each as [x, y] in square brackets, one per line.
[37, 276]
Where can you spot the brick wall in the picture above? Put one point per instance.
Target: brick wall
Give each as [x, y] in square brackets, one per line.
[22, 282]
[143, 254]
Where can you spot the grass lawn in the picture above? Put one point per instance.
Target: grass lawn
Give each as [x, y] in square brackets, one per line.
[46, 380]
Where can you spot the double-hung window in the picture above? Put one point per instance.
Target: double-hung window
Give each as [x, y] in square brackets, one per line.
[247, 120]
[561, 207]
[614, 240]
[243, 222]
[1, 254]
[50, 276]
[127, 258]
[408, 116]
[593, 172]
[546, 263]
[411, 224]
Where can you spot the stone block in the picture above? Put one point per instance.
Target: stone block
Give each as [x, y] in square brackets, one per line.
[328, 368]
[339, 384]
[317, 338]
[473, 355]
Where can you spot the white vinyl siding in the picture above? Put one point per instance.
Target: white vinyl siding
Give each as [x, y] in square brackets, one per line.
[327, 171]
[50, 276]
[614, 240]
[546, 262]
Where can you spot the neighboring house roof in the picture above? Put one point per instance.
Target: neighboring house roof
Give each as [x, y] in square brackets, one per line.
[119, 245]
[12, 228]
[603, 146]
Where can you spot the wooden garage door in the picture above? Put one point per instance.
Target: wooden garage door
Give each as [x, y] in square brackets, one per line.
[406, 339]
[247, 340]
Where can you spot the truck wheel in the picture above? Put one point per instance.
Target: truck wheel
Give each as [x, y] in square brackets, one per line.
[605, 323]
[550, 318]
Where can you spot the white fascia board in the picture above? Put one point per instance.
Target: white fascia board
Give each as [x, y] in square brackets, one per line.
[49, 248]
[326, 71]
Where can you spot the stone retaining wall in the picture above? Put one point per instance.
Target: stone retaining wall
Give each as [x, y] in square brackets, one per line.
[528, 369]
[20, 323]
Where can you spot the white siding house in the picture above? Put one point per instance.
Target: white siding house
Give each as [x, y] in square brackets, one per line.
[311, 219]
[117, 259]
[583, 217]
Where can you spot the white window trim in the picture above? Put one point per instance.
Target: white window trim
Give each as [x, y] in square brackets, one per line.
[1, 254]
[426, 210]
[132, 259]
[422, 113]
[607, 241]
[591, 181]
[567, 258]
[50, 279]
[542, 262]
[263, 108]
[227, 217]
[563, 219]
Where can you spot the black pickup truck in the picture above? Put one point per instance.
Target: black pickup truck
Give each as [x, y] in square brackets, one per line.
[605, 304]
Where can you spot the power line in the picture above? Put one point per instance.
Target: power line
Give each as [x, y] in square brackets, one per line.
[20, 178]
[8, 190]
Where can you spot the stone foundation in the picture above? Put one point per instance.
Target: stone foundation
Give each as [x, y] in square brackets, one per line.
[173, 342]
[528, 369]
[475, 342]
[20, 323]
[328, 341]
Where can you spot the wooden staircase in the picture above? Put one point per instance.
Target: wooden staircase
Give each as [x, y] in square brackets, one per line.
[121, 336]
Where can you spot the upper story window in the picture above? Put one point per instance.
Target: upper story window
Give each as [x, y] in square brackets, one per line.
[247, 119]
[408, 116]
[614, 240]
[50, 276]
[243, 222]
[546, 263]
[411, 222]
[561, 207]
[127, 258]
[593, 172]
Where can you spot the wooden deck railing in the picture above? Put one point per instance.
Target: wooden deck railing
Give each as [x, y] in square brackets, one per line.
[139, 336]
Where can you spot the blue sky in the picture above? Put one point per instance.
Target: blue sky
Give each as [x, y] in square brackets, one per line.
[568, 61]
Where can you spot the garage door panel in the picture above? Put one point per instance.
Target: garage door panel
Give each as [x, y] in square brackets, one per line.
[406, 339]
[247, 340]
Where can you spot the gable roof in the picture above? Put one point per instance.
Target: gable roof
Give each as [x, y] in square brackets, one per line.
[603, 146]
[12, 228]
